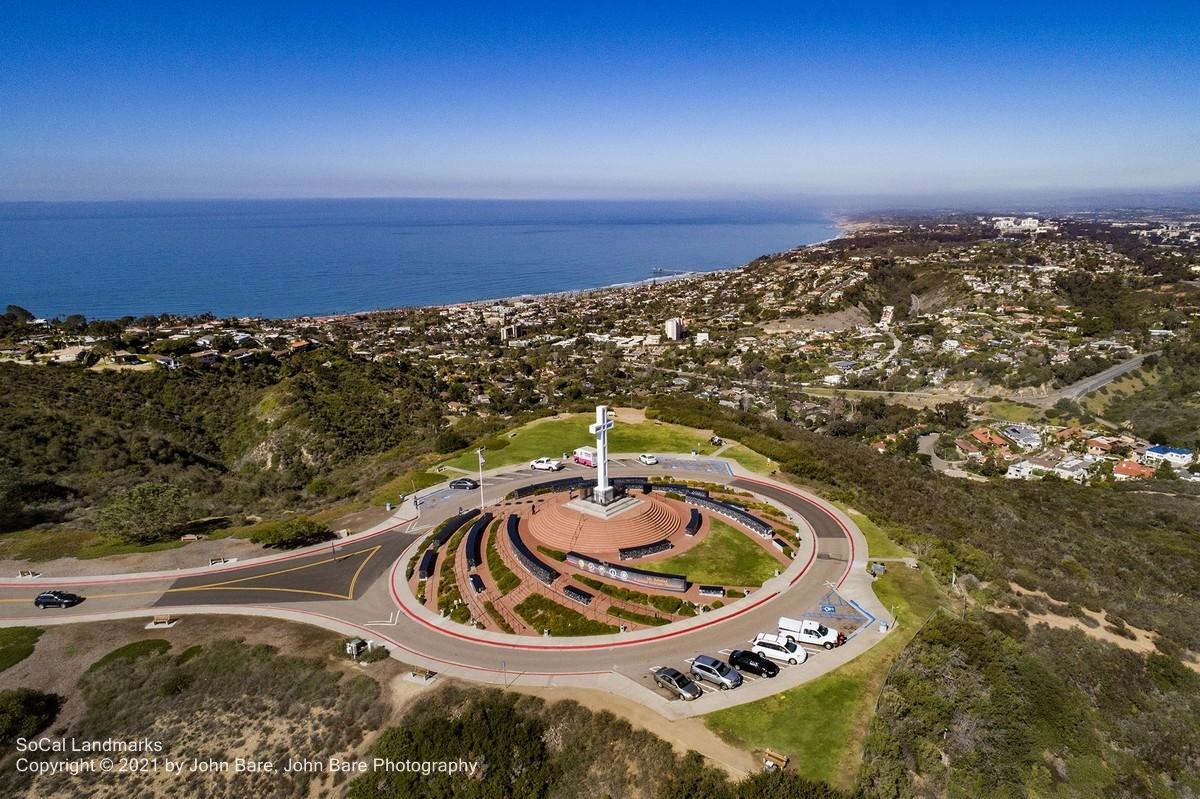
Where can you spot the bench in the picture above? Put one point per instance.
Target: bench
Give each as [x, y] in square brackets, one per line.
[421, 676]
[580, 596]
[693, 525]
[774, 760]
[161, 621]
[192, 537]
[29, 574]
[633, 553]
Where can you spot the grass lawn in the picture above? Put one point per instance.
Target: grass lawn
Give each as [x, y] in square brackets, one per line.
[43, 545]
[16, 644]
[749, 459]
[726, 556]
[822, 724]
[553, 437]
[1009, 411]
[409, 483]
[878, 543]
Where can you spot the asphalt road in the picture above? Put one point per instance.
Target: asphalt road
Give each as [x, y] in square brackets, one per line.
[360, 581]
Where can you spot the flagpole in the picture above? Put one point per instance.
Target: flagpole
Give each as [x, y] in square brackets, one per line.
[479, 452]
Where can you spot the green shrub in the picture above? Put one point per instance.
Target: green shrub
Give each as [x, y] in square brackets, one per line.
[16, 644]
[637, 618]
[24, 713]
[134, 651]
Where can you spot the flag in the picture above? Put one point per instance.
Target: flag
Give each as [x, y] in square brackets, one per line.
[480, 453]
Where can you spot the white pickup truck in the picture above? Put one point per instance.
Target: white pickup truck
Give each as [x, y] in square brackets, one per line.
[805, 631]
[546, 465]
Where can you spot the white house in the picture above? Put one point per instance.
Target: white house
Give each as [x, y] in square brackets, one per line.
[1171, 455]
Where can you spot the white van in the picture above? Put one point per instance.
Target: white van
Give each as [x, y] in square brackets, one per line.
[586, 456]
[806, 631]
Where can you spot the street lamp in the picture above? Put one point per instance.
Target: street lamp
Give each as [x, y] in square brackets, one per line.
[479, 452]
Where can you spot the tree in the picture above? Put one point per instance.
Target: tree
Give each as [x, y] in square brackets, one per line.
[450, 440]
[1165, 472]
[19, 314]
[145, 513]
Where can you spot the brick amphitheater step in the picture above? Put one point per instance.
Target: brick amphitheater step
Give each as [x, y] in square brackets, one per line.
[563, 528]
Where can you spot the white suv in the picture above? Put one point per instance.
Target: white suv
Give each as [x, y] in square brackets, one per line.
[777, 647]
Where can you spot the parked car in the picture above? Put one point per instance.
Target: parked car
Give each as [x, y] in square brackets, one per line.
[57, 599]
[752, 662]
[777, 647]
[715, 671]
[676, 682]
[464, 483]
[648, 459]
[546, 464]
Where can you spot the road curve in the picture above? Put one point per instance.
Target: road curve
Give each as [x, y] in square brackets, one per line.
[358, 588]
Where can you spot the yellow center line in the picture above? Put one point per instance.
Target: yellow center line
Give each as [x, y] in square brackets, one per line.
[231, 585]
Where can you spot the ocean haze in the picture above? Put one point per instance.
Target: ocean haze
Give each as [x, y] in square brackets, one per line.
[281, 258]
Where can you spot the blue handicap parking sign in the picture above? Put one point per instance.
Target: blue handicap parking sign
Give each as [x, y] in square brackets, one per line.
[828, 609]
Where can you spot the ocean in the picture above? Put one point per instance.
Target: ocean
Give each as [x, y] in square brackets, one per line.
[288, 258]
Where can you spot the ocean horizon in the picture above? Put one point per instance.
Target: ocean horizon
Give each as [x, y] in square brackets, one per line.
[290, 258]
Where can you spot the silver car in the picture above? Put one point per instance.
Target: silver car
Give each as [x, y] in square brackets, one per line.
[716, 671]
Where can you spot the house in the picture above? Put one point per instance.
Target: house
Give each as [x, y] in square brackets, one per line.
[1068, 433]
[986, 437]
[1075, 469]
[968, 449]
[1024, 437]
[1101, 445]
[1132, 470]
[1032, 468]
[1024, 470]
[124, 359]
[166, 361]
[207, 357]
[1160, 454]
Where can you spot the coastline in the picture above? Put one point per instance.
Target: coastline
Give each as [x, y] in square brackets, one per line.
[269, 261]
[845, 228]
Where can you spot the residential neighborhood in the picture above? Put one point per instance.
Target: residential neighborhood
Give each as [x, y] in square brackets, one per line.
[925, 312]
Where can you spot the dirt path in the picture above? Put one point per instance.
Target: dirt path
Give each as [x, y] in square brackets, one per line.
[684, 734]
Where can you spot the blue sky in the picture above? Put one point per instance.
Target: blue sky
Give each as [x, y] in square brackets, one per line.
[155, 100]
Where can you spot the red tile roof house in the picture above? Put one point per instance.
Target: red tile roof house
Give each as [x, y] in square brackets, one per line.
[1127, 470]
[985, 436]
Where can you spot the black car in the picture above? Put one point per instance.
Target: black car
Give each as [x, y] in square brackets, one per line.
[753, 663]
[57, 599]
[464, 483]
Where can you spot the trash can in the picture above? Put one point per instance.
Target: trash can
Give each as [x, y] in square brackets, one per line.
[389, 506]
